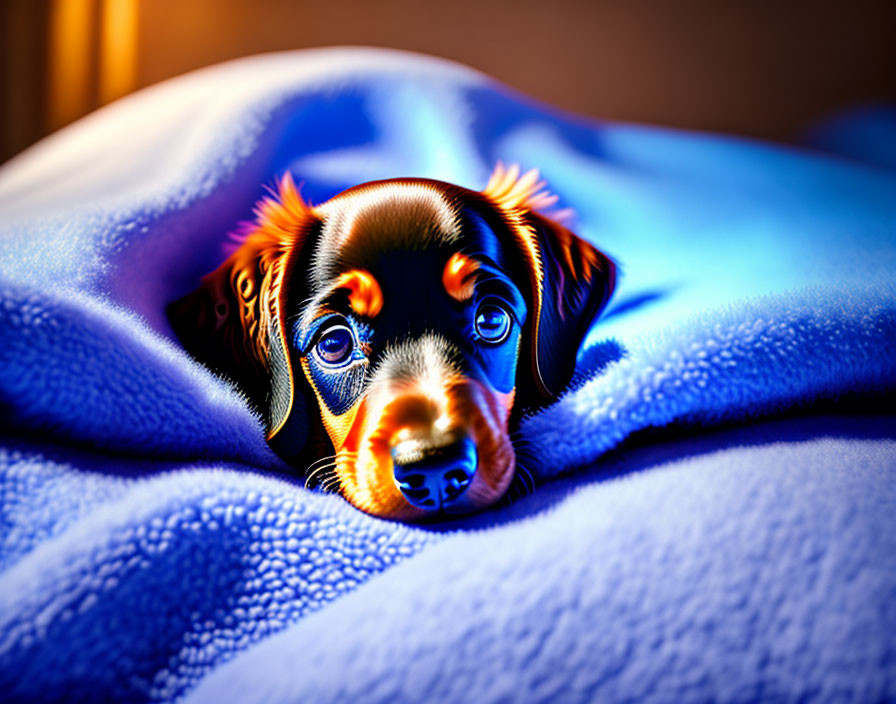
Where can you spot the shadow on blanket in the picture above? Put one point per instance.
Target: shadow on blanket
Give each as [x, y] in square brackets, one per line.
[153, 548]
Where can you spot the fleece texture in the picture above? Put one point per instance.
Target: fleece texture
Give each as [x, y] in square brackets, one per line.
[652, 593]
[153, 548]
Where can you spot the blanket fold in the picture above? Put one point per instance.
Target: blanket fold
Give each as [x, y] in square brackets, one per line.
[153, 548]
[652, 593]
[756, 359]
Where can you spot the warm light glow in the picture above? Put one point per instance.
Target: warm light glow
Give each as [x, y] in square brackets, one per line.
[70, 65]
[118, 49]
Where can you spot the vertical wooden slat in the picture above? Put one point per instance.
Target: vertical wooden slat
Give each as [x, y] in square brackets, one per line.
[118, 49]
[70, 80]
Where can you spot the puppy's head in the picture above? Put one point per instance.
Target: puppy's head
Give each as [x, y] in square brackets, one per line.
[401, 328]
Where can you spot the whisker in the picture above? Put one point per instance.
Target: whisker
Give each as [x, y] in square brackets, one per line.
[319, 474]
[523, 484]
[325, 458]
[511, 495]
[322, 474]
[335, 457]
[320, 469]
[518, 440]
[525, 479]
[332, 485]
[327, 481]
[324, 468]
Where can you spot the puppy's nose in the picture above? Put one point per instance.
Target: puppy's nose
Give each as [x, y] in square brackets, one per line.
[434, 478]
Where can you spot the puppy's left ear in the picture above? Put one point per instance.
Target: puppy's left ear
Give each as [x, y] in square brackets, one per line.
[570, 280]
[235, 322]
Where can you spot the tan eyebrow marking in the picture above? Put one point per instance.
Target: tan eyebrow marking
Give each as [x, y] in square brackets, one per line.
[365, 295]
[458, 277]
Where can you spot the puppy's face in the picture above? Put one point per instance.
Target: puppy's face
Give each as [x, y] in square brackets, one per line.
[410, 344]
[398, 330]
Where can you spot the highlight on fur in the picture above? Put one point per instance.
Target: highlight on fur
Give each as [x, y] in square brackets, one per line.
[510, 190]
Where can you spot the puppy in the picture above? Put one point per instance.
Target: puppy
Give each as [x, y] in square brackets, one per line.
[399, 330]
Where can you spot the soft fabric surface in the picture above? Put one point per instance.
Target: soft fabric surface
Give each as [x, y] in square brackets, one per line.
[148, 535]
[653, 592]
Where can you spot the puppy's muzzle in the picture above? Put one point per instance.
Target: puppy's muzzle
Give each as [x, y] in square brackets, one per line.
[434, 476]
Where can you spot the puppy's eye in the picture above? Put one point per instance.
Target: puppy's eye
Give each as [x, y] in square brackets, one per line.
[492, 323]
[335, 345]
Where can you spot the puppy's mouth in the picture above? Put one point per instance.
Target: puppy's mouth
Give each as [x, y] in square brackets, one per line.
[415, 456]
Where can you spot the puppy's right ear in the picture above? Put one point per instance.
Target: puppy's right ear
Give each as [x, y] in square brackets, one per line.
[235, 322]
[570, 281]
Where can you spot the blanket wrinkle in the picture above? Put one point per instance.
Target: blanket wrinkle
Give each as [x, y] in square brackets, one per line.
[244, 555]
[658, 610]
[153, 548]
[80, 369]
[761, 358]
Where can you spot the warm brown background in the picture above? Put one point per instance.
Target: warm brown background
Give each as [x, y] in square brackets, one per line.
[752, 67]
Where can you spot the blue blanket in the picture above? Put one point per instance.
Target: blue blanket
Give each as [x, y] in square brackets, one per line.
[153, 548]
